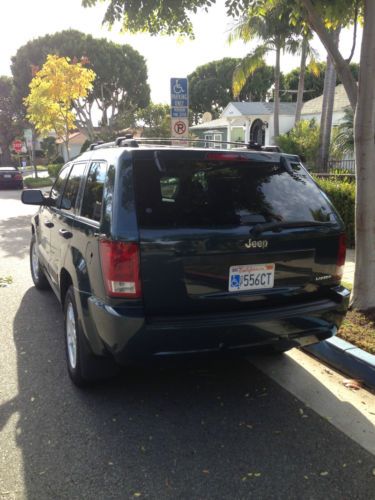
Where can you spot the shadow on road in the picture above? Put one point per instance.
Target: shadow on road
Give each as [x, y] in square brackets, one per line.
[15, 235]
[209, 430]
[10, 194]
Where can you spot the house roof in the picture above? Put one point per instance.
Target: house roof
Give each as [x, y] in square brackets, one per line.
[219, 123]
[314, 106]
[74, 138]
[262, 108]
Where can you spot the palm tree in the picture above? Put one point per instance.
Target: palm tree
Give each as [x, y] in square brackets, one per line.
[306, 52]
[271, 27]
[327, 109]
[344, 139]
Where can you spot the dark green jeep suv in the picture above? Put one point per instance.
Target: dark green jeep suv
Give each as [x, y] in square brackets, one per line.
[157, 251]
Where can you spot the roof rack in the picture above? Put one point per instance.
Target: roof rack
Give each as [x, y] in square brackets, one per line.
[129, 141]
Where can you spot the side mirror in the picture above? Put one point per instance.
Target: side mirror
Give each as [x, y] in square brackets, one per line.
[33, 197]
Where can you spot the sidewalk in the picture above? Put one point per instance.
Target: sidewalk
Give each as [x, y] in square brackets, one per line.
[349, 266]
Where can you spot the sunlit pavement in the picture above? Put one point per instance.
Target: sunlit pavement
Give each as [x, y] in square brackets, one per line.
[282, 427]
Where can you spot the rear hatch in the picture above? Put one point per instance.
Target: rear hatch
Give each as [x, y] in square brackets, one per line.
[9, 175]
[231, 231]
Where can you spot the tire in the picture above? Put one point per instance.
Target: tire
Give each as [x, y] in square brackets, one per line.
[84, 367]
[37, 273]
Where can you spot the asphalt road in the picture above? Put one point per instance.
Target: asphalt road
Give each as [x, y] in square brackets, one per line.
[212, 430]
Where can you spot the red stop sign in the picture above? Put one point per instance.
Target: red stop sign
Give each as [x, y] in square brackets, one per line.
[17, 146]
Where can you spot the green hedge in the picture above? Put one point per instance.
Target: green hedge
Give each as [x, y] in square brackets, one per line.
[31, 182]
[54, 169]
[342, 195]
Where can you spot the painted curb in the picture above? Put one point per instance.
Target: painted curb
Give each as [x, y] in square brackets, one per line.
[347, 358]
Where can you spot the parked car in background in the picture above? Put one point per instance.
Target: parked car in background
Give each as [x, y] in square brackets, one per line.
[160, 251]
[10, 178]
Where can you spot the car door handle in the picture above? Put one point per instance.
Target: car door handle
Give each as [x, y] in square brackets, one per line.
[48, 223]
[65, 234]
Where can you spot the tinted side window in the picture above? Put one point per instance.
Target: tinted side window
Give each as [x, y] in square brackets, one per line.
[59, 184]
[72, 185]
[93, 195]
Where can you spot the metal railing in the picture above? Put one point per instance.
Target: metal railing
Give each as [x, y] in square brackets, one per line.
[347, 165]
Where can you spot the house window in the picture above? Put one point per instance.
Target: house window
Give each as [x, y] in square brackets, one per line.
[212, 136]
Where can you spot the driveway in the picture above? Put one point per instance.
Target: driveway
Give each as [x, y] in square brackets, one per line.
[264, 428]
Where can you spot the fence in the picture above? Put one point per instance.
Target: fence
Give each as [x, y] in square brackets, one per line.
[347, 165]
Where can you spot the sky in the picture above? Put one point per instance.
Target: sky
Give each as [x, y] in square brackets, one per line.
[166, 57]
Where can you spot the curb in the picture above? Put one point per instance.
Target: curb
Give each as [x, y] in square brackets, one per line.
[347, 358]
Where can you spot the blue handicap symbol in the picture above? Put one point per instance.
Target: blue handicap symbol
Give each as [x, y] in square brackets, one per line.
[235, 281]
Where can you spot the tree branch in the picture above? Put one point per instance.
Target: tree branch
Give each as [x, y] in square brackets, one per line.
[342, 66]
[354, 31]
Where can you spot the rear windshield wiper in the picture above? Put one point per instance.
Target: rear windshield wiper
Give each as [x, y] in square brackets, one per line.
[278, 226]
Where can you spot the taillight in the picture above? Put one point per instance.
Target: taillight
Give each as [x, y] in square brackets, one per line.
[18, 177]
[341, 254]
[120, 267]
[226, 157]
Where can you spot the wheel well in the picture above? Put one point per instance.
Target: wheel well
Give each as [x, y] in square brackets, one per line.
[65, 282]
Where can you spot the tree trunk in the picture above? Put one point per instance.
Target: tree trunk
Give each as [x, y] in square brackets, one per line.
[341, 65]
[6, 159]
[276, 112]
[301, 80]
[33, 158]
[326, 118]
[363, 296]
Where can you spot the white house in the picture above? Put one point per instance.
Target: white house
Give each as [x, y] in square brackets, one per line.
[245, 121]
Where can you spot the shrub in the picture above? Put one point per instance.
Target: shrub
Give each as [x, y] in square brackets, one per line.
[31, 182]
[342, 195]
[302, 140]
[53, 169]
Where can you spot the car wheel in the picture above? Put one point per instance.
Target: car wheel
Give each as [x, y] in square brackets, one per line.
[37, 273]
[83, 366]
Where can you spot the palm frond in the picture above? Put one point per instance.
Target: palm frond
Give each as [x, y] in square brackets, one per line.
[248, 66]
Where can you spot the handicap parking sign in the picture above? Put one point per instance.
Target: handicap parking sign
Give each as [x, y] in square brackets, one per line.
[235, 281]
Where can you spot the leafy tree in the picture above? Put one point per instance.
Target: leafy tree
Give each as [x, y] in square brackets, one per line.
[9, 118]
[49, 148]
[120, 85]
[156, 120]
[314, 82]
[53, 91]
[270, 25]
[210, 86]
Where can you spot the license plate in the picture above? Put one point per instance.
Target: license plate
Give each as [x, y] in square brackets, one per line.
[7, 176]
[252, 277]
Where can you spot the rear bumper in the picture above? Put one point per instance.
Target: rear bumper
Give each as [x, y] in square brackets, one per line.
[129, 335]
[11, 184]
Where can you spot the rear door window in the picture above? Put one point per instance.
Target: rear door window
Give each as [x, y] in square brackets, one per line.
[69, 197]
[59, 184]
[93, 194]
[195, 193]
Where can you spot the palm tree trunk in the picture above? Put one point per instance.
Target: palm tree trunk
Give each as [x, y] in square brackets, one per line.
[301, 80]
[276, 112]
[327, 110]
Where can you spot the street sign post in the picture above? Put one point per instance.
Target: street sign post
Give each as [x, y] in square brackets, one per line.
[180, 109]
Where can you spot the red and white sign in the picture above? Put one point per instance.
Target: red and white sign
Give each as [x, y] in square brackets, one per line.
[180, 130]
[17, 146]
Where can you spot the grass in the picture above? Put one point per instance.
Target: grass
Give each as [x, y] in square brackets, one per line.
[358, 328]
[31, 182]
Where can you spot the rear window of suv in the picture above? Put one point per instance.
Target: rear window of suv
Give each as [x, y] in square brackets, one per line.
[177, 192]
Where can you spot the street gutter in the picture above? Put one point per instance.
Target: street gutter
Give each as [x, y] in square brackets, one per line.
[347, 358]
